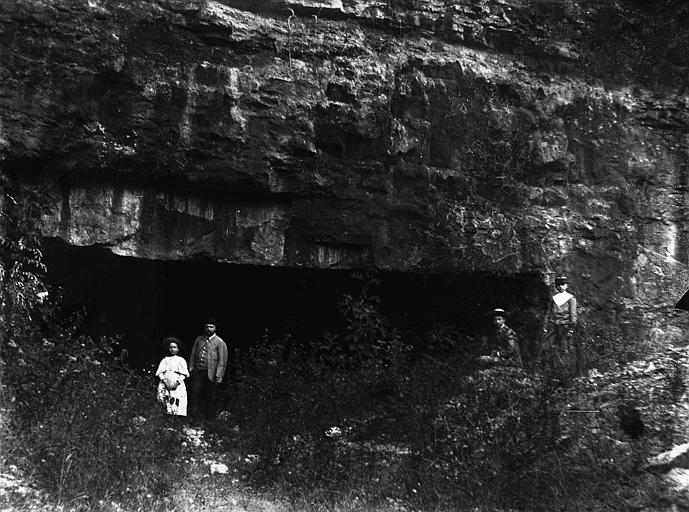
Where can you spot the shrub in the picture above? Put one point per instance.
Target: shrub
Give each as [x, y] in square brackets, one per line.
[88, 428]
[301, 403]
[494, 425]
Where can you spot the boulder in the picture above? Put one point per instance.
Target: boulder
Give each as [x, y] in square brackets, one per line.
[676, 458]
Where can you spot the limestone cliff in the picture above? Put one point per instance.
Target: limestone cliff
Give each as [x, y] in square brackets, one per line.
[418, 135]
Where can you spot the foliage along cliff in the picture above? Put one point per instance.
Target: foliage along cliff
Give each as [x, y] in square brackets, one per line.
[418, 135]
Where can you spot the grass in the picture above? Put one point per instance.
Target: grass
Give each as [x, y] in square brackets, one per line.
[327, 427]
[366, 463]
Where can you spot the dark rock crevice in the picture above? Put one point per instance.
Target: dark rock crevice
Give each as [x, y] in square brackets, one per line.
[145, 300]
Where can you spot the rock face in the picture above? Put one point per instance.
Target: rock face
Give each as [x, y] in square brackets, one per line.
[670, 470]
[499, 135]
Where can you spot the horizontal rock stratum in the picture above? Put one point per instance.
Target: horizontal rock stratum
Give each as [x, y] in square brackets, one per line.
[427, 136]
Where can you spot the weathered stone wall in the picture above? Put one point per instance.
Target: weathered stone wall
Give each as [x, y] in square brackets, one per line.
[416, 135]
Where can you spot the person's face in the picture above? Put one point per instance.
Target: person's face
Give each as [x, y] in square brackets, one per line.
[209, 329]
[173, 349]
[561, 287]
[498, 321]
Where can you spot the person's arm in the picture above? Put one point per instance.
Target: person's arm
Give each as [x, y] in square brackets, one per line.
[548, 315]
[222, 361]
[162, 367]
[183, 371]
[192, 357]
[572, 312]
[513, 342]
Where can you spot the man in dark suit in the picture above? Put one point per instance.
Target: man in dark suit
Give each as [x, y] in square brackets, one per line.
[207, 365]
[506, 339]
[504, 342]
[560, 318]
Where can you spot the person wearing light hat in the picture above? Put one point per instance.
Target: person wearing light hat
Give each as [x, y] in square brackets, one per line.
[561, 318]
[207, 365]
[507, 341]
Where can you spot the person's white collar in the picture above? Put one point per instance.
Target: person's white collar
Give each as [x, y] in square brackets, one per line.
[560, 298]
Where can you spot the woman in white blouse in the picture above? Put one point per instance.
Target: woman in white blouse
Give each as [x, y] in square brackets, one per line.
[172, 371]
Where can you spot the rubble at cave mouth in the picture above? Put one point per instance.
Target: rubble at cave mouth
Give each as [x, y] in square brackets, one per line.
[145, 300]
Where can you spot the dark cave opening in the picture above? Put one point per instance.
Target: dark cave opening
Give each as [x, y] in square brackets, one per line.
[143, 301]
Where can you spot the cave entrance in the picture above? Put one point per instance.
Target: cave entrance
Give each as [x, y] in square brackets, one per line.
[143, 300]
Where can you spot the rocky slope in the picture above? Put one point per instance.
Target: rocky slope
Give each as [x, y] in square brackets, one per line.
[416, 135]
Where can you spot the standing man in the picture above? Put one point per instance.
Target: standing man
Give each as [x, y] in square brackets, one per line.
[560, 319]
[506, 339]
[207, 365]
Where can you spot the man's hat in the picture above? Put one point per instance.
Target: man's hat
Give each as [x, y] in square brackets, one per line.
[561, 280]
[499, 312]
[210, 320]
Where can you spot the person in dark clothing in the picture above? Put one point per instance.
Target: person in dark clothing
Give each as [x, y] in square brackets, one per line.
[207, 365]
[506, 343]
[560, 318]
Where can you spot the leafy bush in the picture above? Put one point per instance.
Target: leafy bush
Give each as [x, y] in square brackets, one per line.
[89, 428]
[21, 265]
[298, 402]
